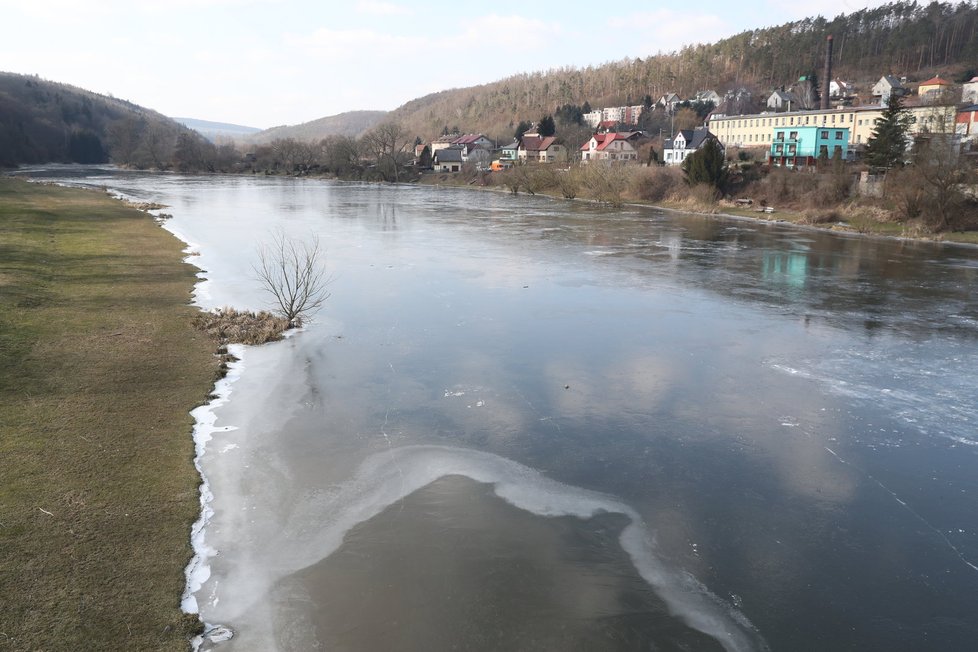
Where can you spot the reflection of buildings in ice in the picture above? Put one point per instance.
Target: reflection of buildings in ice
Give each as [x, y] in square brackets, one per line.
[789, 268]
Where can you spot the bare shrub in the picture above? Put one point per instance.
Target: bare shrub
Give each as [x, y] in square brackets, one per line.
[567, 182]
[657, 183]
[907, 191]
[813, 216]
[605, 182]
[293, 274]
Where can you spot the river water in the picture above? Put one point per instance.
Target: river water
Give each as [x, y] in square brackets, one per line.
[528, 424]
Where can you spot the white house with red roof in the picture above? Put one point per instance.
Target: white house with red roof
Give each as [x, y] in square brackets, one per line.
[610, 146]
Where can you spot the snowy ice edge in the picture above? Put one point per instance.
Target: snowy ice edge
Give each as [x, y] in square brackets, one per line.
[198, 569]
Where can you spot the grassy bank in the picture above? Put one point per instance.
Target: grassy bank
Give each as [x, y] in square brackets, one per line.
[99, 366]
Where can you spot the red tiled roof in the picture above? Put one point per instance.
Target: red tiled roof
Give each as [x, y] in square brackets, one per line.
[603, 140]
[467, 139]
[936, 81]
[537, 143]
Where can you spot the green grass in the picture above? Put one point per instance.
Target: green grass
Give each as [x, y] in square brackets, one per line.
[99, 367]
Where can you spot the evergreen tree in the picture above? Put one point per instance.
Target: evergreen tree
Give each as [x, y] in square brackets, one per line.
[521, 129]
[887, 145]
[424, 161]
[547, 127]
[707, 165]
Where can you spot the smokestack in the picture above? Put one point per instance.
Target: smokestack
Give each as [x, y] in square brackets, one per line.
[827, 73]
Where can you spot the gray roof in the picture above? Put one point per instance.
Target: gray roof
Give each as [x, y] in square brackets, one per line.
[449, 155]
[694, 138]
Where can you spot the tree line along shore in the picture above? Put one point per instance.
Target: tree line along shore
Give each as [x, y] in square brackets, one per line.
[100, 366]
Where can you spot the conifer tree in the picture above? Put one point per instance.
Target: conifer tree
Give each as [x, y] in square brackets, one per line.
[887, 145]
[547, 127]
[707, 165]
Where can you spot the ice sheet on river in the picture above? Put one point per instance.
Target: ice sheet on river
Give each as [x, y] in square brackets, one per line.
[316, 528]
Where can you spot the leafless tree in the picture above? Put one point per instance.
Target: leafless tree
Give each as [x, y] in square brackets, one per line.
[293, 273]
[388, 144]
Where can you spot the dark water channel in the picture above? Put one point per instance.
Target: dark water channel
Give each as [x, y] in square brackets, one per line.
[526, 424]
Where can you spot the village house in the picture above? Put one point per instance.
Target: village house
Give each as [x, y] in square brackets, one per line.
[797, 147]
[669, 102]
[839, 89]
[447, 159]
[470, 142]
[442, 142]
[934, 89]
[540, 149]
[685, 142]
[888, 85]
[781, 100]
[708, 96]
[966, 122]
[611, 146]
[969, 91]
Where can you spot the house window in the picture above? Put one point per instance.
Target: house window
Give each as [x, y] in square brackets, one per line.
[838, 135]
[806, 119]
[859, 138]
[793, 135]
[825, 134]
[823, 150]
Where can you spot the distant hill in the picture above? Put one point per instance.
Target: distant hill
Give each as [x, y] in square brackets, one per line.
[46, 122]
[351, 123]
[214, 131]
[899, 38]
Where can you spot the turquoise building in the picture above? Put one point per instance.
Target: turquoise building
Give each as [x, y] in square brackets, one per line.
[801, 146]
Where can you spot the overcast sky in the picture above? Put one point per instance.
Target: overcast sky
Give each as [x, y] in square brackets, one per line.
[263, 63]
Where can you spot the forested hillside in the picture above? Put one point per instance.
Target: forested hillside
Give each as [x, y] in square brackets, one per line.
[900, 38]
[351, 123]
[43, 121]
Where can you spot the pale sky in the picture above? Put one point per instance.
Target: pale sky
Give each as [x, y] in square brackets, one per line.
[263, 63]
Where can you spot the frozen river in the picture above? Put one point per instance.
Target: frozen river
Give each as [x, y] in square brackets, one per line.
[528, 424]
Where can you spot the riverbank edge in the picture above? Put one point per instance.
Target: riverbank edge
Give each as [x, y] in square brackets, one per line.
[866, 228]
[103, 368]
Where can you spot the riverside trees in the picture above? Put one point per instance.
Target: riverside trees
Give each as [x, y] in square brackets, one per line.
[388, 144]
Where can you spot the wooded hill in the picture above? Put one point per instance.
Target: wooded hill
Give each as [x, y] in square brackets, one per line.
[900, 38]
[351, 123]
[46, 122]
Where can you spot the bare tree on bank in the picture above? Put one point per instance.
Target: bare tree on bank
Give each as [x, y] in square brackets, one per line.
[388, 143]
[293, 273]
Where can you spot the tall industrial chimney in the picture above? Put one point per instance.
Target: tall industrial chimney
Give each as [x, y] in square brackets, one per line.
[827, 74]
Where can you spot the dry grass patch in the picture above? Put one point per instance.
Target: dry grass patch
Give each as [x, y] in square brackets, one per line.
[230, 326]
[99, 368]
